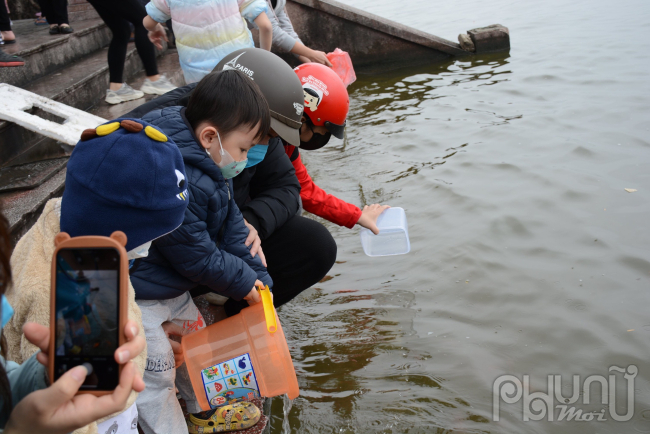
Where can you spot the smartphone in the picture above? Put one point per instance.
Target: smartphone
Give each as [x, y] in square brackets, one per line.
[88, 309]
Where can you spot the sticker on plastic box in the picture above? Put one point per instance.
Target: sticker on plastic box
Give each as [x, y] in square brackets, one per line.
[230, 381]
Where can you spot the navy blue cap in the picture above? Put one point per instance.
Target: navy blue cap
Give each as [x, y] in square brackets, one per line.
[125, 175]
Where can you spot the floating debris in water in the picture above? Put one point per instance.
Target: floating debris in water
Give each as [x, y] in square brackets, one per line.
[630, 190]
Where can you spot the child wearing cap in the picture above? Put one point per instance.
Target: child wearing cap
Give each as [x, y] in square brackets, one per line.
[224, 118]
[125, 175]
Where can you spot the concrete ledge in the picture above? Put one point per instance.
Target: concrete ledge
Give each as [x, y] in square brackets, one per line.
[370, 39]
[78, 86]
[490, 39]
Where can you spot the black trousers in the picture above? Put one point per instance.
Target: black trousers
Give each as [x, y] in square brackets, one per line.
[299, 254]
[117, 14]
[56, 11]
[5, 22]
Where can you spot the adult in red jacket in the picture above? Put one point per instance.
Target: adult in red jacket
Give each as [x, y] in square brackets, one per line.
[326, 110]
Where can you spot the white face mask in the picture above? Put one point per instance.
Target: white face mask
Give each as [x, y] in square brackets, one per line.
[139, 252]
[228, 166]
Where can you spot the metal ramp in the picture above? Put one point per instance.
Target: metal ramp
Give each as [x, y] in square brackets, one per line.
[15, 104]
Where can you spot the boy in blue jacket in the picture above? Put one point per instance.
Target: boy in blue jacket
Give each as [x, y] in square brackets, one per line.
[226, 116]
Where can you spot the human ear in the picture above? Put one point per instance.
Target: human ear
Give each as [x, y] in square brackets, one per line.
[208, 137]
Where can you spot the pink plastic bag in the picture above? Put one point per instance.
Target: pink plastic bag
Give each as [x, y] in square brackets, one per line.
[342, 65]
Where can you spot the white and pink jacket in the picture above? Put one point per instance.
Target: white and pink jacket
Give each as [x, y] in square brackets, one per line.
[207, 30]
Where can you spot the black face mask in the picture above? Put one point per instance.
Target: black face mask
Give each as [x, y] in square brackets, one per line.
[317, 141]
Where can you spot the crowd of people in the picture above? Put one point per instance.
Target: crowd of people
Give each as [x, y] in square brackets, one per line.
[207, 183]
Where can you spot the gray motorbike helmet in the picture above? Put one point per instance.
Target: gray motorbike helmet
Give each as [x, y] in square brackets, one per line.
[279, 84]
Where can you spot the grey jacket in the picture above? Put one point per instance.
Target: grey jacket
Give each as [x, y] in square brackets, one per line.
[284, 37]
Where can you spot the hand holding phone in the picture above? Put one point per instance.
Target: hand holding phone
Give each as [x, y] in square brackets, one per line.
[88, 309]
[57, 409]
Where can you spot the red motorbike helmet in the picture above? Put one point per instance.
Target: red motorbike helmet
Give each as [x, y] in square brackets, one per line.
[326, 98]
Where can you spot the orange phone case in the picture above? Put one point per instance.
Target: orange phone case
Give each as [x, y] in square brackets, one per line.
[117, 241]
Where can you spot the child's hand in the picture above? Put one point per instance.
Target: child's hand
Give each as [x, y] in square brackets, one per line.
[369, 216]
[254, 297]
[157, 35]
[173, 329]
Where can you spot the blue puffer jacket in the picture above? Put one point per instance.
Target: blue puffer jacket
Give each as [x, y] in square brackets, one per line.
[208, 248]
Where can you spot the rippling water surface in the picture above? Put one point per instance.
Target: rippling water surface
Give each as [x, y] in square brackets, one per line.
[527, 254]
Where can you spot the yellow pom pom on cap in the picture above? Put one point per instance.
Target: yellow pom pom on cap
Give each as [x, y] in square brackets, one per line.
[105, 130]
[153, 133]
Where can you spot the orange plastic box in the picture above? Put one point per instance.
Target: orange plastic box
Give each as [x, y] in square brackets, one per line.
[240, 358]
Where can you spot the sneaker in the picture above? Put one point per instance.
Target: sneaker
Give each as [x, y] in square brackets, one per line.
[125, 93]
[235, 417]
[10, 60]
[158, 87]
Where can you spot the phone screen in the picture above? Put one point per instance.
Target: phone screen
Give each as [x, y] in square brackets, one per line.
[87, 315]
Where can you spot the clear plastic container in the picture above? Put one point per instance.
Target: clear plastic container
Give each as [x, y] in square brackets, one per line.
[393, 238]
[240, 359]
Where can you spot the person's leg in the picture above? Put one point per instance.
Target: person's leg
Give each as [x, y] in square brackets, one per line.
[298, 254]
[5, 25]
[46, 10]
[117, 51]
[134, 12]
[117, 48]
[185, 314]
[158, 408]
[146, 51]
[60, 9]
[60, 15]
[118, 91]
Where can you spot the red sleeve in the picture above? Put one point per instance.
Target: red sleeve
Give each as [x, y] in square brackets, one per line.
[317, 201]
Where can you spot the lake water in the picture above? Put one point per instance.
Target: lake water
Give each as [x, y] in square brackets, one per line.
[527, 254]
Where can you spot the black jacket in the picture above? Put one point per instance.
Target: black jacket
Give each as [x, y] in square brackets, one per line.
[268, 194]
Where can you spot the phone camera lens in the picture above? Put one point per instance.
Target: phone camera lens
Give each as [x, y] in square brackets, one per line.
[114, 259]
